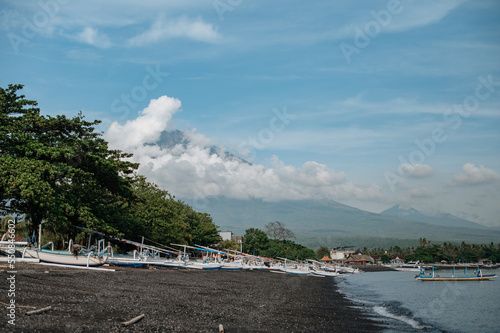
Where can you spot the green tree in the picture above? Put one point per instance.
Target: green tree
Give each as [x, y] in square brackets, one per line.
[160, 217]
[229, 244]
[255, 241]
[385, 258]
[323, 251]
[156, 215]
[59, 169]
[202, 230]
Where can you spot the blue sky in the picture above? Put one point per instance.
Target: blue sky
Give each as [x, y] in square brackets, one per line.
[366, 103]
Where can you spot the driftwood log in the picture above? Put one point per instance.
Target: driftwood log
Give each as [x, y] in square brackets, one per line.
[133, 320]
[29, 313]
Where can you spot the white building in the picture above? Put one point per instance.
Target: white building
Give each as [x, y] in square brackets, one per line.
[226, 235]
[340, 254]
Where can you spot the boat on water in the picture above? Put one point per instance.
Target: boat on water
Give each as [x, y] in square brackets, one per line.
[470, 273]
[412, 266]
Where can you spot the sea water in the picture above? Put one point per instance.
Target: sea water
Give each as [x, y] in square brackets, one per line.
[403, 304]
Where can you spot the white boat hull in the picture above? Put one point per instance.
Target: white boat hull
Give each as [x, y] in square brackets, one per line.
[325, 273]
[296, 271]
[204, 266]
[65, 258]
[407, 269]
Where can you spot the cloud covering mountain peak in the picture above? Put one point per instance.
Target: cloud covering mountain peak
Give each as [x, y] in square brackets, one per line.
[190, 166]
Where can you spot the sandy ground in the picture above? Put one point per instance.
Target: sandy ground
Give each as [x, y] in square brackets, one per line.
[177, 301]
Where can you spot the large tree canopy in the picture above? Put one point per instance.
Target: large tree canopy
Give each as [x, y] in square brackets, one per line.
[256, 242]
[59, 169]
[163, 219]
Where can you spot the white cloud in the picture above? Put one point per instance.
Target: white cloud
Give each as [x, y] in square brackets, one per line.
[417, 170]
[92, 37]
[194, 172]
[163, 29]
[475, 175]
[146, 128]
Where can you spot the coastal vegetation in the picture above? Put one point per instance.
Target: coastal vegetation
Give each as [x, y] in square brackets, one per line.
[429, 253]
[59, 171]
[257, 242]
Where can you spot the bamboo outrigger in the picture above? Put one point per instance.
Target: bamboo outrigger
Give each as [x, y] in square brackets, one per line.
[476, 275]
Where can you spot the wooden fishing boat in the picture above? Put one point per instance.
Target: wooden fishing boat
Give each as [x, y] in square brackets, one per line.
[321, 269]
[470, 273]
[65, 257]
[292, 267]
[131, 261]
[325, 273]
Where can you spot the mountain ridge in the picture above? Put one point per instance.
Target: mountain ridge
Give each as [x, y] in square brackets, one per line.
[442, 219]
[320, 220]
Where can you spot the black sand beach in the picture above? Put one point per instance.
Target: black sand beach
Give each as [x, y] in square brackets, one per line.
[178, 301]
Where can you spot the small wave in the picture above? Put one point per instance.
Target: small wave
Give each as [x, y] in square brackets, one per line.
[412, 322]
[356, 299]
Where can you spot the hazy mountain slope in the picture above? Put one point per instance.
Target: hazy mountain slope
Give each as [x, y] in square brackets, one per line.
[326, 221]
[442, 219]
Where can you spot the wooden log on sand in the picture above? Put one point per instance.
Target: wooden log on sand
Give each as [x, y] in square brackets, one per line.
[133, 320]
[29, 313]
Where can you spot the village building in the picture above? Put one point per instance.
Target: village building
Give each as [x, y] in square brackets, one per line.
[359, 259]
[340, 254]
[397, 260]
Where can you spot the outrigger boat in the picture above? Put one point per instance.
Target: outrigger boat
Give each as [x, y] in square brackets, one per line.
[183, 260]
[476, 275]
[292, 267]
[70, 257]
[321, 269]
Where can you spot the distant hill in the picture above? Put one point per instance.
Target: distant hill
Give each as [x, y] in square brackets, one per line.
[442, 219]
[319, 223]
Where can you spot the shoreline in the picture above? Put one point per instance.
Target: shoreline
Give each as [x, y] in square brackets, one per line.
[181, 301]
